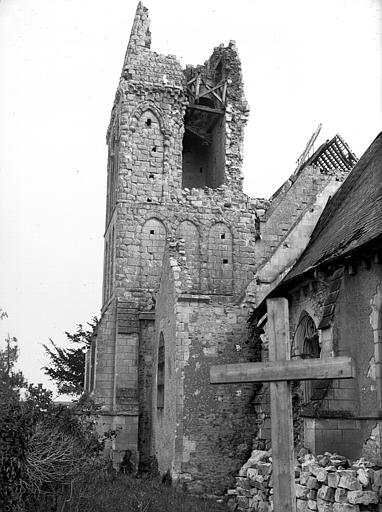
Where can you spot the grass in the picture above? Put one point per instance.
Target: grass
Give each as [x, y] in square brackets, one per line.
[127, 494]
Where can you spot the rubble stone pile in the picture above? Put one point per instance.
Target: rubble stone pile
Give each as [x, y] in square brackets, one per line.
[324, 483]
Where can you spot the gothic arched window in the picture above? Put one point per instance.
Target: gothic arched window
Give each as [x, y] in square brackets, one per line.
[308, 347]
[160, 373]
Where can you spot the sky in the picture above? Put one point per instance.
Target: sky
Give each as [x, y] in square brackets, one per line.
[304, 62]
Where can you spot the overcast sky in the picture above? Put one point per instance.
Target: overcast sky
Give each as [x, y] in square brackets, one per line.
[304, 62]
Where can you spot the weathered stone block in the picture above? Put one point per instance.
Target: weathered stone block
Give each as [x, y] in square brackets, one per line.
[363, 477]
[243, 471]
[362, 497]
[324, 506]
[243, 492]
[323, 460]
[312, 483]
[345, 507]
[325, 493]
[242, 482]
[314, 468]
[347, 472]
[301, 505]
[312, 504]
[333, 479]
[341, 495]
[251, 473]
[301, 491]
[350, 482]
[322, 475]
[304, 475]
[312, 494]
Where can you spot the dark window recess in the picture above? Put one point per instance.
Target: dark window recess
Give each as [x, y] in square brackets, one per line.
[225, 261]
[222, 236]
[203, 147]
[152, 232]
[160, 373]
[148, 122]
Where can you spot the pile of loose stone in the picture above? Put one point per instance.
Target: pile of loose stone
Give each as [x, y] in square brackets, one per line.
[326, 483]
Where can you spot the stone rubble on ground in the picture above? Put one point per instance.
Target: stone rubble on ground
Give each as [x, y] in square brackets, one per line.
[324, 483]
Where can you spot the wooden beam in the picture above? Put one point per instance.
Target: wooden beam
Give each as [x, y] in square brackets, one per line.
[207, 109]
[224, 94]
[217, 96]
[298, 369]
[209, 90]
[284, 496]
[199, 134]
[212, 91]
[197, 86]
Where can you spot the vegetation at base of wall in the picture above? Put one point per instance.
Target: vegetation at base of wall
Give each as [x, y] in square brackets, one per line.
[51, 457]
[45, 448]
[124, 493]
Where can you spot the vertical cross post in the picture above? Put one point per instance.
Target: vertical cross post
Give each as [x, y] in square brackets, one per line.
[284, 496]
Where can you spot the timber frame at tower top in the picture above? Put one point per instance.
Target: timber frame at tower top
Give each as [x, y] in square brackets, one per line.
[197, 87]
[207, 101]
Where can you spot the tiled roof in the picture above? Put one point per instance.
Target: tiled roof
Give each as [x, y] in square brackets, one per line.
[352, 217]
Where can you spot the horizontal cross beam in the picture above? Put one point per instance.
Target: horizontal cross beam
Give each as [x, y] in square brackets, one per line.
[207, 109]
[297, 369]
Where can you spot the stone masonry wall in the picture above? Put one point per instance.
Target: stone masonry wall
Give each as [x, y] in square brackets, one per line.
[217, 422]
[146, 372]
[289, 205]
[166, 419]
[199, 423]
[342, 415]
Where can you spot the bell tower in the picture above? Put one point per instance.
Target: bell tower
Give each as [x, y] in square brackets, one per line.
[144, 169]
[174, 172]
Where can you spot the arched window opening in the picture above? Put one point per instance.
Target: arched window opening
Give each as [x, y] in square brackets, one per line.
[160, 373]
[203, 146]
[311, 347]
[308, 347]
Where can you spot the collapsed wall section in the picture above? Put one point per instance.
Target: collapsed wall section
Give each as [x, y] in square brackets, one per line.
[214, 123]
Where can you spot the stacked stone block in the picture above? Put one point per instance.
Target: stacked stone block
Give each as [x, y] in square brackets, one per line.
[324, 483]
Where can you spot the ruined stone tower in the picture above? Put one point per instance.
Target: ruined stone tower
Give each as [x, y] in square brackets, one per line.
[180, 250]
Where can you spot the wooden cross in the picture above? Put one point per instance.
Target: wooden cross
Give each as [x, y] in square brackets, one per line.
[279, 372]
